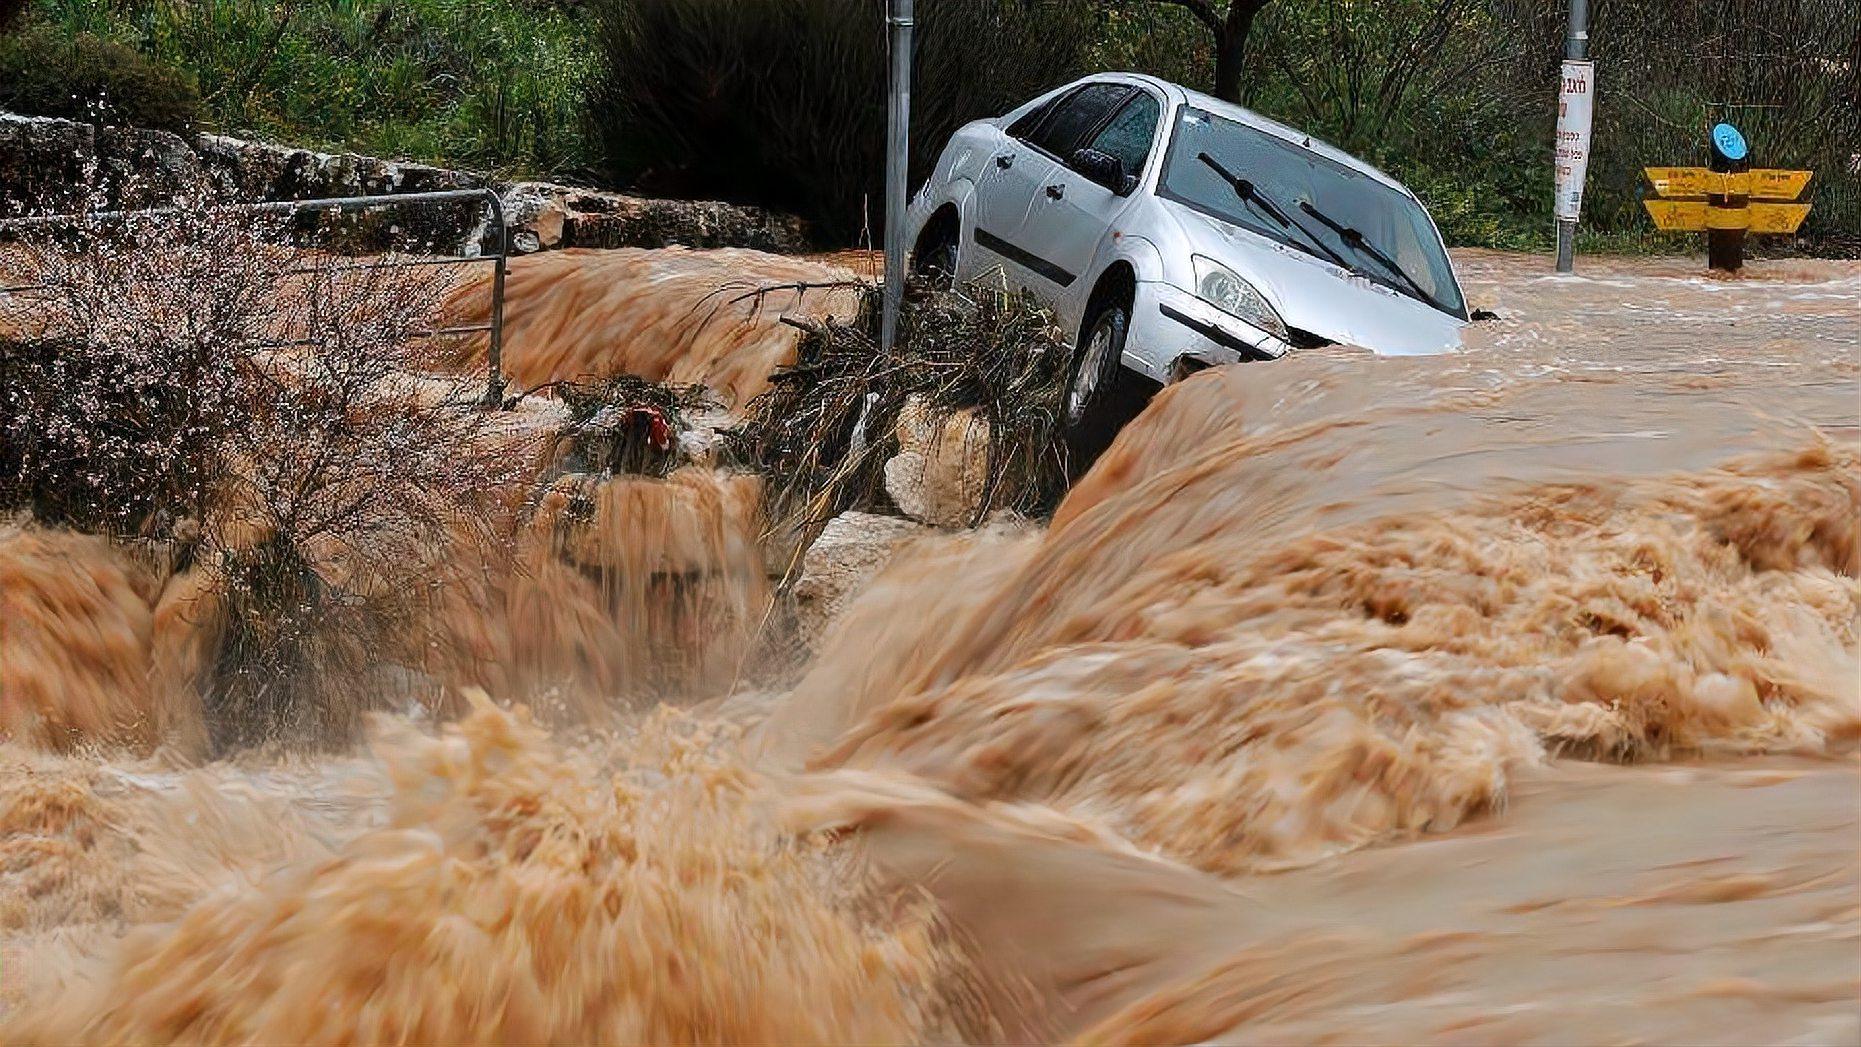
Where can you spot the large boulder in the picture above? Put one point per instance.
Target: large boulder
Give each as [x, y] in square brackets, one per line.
[46, 163]
[941, 472]
[849, 552]
[545, 216]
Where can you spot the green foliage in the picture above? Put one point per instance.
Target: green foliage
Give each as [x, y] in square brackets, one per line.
[479, 83]
[1456, 98]
[84, 77]
[782, 102]
[1160, 39]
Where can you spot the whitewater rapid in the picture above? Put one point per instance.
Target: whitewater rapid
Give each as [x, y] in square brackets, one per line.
[1506, 695]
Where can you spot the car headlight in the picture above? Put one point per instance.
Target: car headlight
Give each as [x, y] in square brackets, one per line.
[1218, 285]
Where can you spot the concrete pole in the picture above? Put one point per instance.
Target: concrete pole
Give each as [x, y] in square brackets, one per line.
[1576, 48]
[899, 22]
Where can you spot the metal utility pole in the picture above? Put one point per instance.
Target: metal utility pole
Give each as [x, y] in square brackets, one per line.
[1575, 99]
[899, 23]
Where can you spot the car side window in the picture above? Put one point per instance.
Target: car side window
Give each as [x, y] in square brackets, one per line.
[1130, 133]
[1024, 127]
[1076, 116]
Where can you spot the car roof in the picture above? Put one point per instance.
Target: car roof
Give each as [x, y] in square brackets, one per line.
[1181, 95]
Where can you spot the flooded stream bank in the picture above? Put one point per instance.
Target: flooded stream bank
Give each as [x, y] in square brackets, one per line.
[1506, 695]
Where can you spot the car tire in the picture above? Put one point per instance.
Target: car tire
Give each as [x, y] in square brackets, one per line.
[935, 260]
[1102, 395]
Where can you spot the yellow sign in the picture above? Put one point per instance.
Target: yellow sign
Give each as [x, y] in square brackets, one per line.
[1675, 216]
[1682, 181]
[1777, 218]
[1769, 184]
[1679, 216]
[1759, 184]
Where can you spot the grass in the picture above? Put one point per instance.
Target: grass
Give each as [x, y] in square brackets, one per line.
[492, 84]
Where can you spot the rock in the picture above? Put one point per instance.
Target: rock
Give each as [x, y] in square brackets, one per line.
[552, 216]
[940, 475]
[850, 551]
[147, 168]
[263, 171]
[42, 161]
[549, 225]
[46, 162]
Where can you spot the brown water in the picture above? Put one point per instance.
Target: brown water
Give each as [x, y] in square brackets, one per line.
[709, 318]
[1504, 696]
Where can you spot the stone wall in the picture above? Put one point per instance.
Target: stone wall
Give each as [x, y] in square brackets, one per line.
[46, 164]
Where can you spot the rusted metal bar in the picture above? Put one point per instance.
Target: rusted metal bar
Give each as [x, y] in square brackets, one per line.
[331, 203]
[494, 354]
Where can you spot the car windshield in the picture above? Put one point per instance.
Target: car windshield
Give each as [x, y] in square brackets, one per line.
[1323, 201]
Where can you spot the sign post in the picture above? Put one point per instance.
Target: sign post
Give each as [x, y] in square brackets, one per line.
[1728, 200]
[1575, 104]
[1725, 227]
[899, 23]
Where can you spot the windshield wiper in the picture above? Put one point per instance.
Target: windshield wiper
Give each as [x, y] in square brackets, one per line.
[1356, 241]
[1250, 193]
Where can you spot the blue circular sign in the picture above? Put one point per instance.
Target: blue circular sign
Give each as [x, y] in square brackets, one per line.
[1728, 141]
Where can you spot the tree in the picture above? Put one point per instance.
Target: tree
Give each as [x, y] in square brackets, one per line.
[1230, 28]
[782, 102]
[1362, 73]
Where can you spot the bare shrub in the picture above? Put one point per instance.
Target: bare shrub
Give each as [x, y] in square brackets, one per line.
[262, 416]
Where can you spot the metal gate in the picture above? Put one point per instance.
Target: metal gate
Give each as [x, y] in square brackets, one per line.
[500, 236]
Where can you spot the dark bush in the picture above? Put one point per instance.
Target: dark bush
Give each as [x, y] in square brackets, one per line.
[84, 77]
[782, 102]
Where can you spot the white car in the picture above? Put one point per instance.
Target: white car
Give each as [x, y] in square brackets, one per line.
[1171, 231]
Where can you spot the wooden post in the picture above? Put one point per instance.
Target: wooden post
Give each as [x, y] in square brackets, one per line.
[1725, 211]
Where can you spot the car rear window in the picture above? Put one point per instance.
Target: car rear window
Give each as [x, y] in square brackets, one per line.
[1074, 117]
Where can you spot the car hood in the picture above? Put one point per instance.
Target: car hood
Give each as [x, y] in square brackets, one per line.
[1313, 295]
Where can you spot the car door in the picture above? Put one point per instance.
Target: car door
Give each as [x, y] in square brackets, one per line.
[1072, 214]
[1005, 190]
[1027, 161]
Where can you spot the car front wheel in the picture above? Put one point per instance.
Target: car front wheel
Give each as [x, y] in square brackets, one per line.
[1102, 395]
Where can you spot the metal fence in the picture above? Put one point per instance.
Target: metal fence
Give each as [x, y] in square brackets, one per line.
[497, 257]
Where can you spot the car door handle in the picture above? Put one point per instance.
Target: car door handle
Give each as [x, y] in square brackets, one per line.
[1056, 191]
[1005, 161]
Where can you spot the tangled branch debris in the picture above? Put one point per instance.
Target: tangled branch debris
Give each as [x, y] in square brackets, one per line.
[626, 424]
[824, 430]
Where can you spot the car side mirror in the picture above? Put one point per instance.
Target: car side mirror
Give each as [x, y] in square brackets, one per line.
[1104, 169]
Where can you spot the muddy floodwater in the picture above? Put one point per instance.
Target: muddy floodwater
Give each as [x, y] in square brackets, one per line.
[1512, 695]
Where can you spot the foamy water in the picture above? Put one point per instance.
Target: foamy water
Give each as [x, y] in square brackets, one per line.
[710, 318]
[1508, 695]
